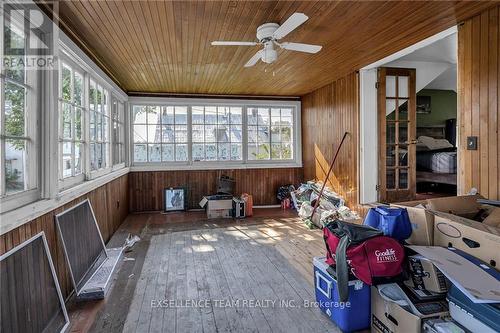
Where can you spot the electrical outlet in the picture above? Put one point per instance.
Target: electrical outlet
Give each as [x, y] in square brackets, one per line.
[472, 143]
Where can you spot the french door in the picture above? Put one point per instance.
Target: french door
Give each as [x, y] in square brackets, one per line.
[396, 97]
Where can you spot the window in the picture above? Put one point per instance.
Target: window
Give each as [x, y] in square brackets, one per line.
[118, 132]
[98, 126]
[160, 133]
[200, 135]
[71, 142]
[91, 124]
[18, 119]
[217, 133]
[270, 133]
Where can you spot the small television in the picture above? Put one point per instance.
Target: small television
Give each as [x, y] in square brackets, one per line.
[31, 297]
[82, 243]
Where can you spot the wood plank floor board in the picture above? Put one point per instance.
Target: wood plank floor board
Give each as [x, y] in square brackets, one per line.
[301, 286]
[168, 315]
[284, 245]
[224, 290]
[207, 313]
[212, 271]
[253, 287]
[240, 275]
[184, 258]
[135, 317]
[195, 316]
[167, 257]
[230, 263]
[281, 283]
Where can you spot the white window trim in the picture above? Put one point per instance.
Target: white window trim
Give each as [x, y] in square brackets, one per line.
[33, 80]
[296, 162]
[89, 73]
[21, 207]
[68, 182]
[104, 141]
[123, 123]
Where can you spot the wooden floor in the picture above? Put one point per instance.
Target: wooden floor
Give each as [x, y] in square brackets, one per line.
[189, 274]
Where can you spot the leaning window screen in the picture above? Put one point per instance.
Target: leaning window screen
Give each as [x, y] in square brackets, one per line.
[30, 299]
[82, 242]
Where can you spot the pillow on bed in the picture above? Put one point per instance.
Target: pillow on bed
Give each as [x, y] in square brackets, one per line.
[434, 144]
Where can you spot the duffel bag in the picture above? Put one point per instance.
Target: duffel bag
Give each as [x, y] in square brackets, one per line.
[363, 251]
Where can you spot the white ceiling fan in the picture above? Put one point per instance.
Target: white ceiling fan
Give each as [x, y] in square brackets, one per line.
[268, 35]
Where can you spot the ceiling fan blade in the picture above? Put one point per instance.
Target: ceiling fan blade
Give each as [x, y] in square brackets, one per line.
[253, 60]
[290, 24]
[233, 43]
[309, 48]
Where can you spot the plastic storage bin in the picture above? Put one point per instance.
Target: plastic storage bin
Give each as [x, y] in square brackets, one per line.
[350, 316]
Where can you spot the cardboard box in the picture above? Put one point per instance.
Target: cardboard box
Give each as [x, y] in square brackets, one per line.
[422, 219]
[388, 316]
[475, 238]
[464, 206]
[493, 218]
[477, 281]
[217, 206]
[422, 222]
[425, 276]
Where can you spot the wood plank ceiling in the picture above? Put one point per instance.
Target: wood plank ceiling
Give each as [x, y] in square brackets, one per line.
[164, 46]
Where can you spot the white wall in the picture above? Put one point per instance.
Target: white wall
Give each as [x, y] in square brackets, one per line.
[368, 155]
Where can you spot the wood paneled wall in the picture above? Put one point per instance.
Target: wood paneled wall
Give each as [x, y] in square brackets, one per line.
[110, 205]
[326, 114]
[479, 99]
[146, 188]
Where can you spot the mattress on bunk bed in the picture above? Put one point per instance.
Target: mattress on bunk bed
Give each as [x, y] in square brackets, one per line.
[437, 161]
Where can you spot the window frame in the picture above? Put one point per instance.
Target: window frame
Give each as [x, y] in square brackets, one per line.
[148, 142]
[243, 135]
[294, 104]
[107, 143]
[32, 136]
[73, 180]
[121, 121]
[68, 55]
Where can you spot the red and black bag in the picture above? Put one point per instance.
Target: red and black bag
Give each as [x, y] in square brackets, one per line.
[363, 251]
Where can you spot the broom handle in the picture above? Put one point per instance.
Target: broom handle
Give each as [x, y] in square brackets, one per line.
[316, 204]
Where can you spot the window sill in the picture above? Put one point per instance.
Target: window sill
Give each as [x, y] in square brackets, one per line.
[213, 166]
[17, 217]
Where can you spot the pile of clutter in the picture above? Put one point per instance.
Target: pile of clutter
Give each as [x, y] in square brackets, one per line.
[331, 205]
[420, 266]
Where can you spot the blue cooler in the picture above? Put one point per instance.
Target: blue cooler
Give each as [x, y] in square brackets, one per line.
[352, 315]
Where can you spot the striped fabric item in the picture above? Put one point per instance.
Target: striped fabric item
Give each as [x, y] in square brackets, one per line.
[444, 162]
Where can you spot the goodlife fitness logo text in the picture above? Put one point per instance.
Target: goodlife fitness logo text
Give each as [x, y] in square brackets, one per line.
[389, 255]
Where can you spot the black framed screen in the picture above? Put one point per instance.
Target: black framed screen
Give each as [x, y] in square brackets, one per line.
[31, 299]
[82, 242]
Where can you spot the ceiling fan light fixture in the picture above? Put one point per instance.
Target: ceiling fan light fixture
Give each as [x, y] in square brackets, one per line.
[269, 54]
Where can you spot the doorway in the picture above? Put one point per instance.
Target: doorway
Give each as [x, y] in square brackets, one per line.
[401, 160]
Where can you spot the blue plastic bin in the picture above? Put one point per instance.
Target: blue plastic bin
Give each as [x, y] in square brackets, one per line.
[350, 316]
